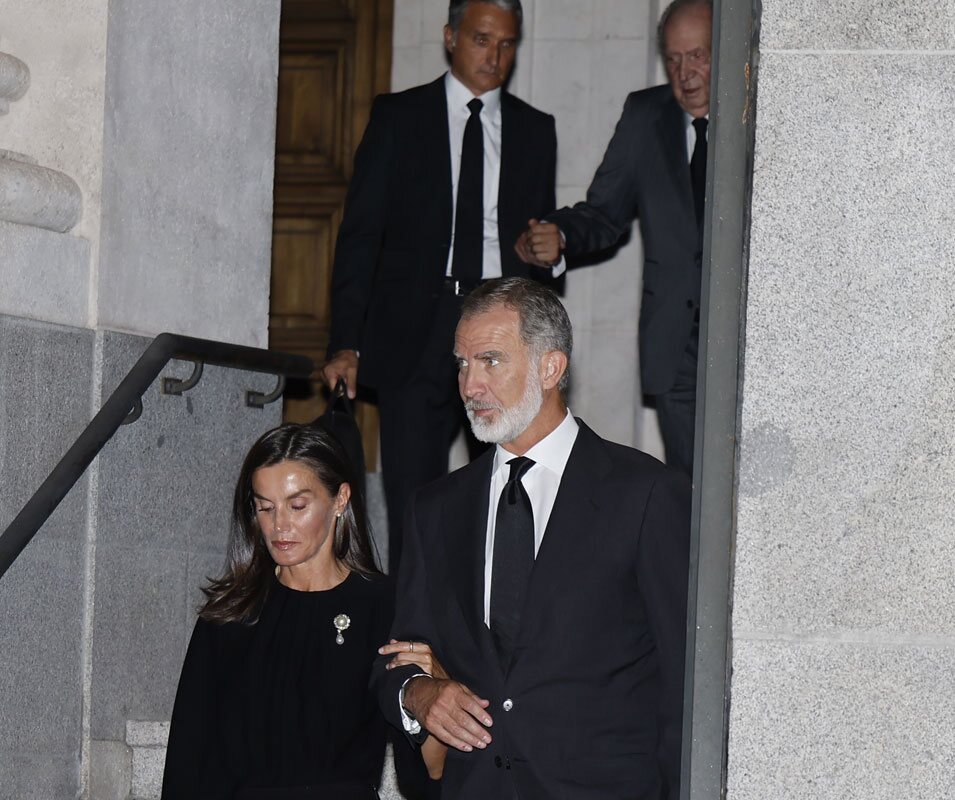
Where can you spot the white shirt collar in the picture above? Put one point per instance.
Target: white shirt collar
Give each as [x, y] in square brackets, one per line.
[551, 452]
[459, 96]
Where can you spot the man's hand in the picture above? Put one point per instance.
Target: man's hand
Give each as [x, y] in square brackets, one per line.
[540, 244]
[344, 364]
[450, 711]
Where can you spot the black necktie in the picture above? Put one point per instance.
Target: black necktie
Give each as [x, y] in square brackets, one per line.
[513, 560]
[698, 168]
[469, 212]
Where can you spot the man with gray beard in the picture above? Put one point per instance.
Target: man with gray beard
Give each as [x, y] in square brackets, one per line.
[549, 577]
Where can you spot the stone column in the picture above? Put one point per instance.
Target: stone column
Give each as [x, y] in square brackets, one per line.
[843, 626]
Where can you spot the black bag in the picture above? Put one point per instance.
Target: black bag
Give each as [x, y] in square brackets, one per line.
[338, 419]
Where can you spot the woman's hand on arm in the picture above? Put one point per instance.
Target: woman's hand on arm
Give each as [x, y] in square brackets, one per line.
[433, 751]
[413, 653]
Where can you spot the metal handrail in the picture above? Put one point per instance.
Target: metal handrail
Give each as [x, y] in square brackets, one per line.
[127, 398]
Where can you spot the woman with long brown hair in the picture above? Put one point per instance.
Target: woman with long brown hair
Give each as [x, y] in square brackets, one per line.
[273, 700]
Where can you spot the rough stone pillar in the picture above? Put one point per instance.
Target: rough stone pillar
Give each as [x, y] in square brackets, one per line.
[843, 625]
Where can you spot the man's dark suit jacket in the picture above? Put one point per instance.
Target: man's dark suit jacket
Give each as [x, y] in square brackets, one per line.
[395, 236]
[597, 677]
[645, 173]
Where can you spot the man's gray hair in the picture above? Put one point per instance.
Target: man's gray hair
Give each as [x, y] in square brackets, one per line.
[545, 325]
[673, 8]
[456, 11]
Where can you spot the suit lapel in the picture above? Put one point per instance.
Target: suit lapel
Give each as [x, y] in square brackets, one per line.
[509, 190]
[672, 136]
[435, 137]
[470, 507]
[570, 527]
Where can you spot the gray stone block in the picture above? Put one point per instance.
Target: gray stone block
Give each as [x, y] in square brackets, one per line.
[163, 509]
[816, 721]
[847, 455]
[45, 386]
[111, 770]
[148, 763]
[39, 776]
[41, 686]
[167, 481]
[147, 734]
[57, 262]
[187, 193]
[139, 636]
[857, 25]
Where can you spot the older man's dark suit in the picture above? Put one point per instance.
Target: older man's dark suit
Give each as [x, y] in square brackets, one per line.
[389, 299]
[597, 676]
[645, 174]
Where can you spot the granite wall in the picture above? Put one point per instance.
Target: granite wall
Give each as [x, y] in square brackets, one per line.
[136, 152]
[98, 609]
[164, 115]
[844, 602]
[189, 135]
[42, 595]
[160, 518]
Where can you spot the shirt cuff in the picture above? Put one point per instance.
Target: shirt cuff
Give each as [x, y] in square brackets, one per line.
[560, 267]
[409, 723]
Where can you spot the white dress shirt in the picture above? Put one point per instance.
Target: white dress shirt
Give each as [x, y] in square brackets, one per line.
[458, 97]
[691, 134]
[541, 483]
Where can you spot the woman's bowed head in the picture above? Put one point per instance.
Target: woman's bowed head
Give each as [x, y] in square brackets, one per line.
[294, 515]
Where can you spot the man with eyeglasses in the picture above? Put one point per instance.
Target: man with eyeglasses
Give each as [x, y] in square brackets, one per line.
[654, 169]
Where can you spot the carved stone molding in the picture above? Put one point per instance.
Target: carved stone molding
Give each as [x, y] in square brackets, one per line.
[34, 195]
[14, 80]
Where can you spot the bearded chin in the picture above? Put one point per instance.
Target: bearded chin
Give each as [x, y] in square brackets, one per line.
[509, 423]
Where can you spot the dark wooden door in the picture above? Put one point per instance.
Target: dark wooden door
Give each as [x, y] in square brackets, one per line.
[334, 57]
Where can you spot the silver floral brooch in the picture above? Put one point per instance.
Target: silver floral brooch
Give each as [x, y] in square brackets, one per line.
[341, 623]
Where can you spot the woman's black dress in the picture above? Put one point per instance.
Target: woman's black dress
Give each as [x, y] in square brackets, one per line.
[279, 709]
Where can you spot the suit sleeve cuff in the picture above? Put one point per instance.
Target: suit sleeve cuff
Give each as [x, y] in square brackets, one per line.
[409, 723]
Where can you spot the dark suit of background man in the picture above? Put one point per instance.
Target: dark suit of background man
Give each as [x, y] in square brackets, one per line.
[655, 168]
[402, 264]
[552, 589]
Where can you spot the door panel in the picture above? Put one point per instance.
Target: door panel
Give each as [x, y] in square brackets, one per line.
[334, 57]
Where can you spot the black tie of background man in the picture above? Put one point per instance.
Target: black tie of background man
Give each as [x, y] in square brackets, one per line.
[469, 213]
[513, 559]
[698, 168]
